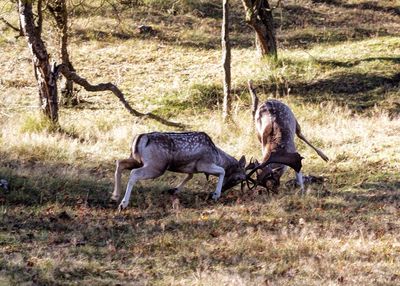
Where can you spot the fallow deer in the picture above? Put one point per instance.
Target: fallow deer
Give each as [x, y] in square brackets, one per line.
[189, 152]
[276, 127]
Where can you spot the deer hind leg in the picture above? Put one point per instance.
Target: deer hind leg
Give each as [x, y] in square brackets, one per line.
[143, 173]
[266, 138]
[179, 187]
[300, 182]
[125, 164]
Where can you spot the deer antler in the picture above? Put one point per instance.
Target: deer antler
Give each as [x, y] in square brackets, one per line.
[292, 160]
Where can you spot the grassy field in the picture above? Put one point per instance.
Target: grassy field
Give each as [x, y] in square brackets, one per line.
[341, 61]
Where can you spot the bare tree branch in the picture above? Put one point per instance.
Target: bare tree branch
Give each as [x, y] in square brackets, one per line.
[74, 5]
[115, 11]
[64, 70]
[9, 24]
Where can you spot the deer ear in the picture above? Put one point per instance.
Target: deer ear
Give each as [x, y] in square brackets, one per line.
[242, 161]
[292, 160]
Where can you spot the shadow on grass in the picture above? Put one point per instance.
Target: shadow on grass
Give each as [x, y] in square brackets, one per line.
[358, 91]
[46, 183]
[369, 5]
[376, 192]
[307, 38]
[159, 233]
[310, 25]
[39, 184]
[302, 27]
[204, 42]
[350, 64]
[29, 273]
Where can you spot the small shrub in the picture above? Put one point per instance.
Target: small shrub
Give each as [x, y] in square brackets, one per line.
[36, 124]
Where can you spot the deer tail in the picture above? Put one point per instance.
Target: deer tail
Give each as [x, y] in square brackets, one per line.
[301, 136]
[135, 146]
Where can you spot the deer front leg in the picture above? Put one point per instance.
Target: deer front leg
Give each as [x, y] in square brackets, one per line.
[121, 165]
[217, 171]
[143, 173]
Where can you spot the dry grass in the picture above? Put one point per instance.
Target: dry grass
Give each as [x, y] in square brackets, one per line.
[58, 228]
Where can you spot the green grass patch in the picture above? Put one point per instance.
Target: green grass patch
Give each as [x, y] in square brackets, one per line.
[34, 123]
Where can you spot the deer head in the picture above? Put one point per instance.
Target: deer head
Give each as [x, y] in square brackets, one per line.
[268, 177]
[234, 174]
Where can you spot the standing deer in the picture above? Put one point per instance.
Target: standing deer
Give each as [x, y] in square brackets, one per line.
[276, 127]
[189, 152]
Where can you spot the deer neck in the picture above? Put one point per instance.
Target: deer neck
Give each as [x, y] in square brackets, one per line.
[225, 160]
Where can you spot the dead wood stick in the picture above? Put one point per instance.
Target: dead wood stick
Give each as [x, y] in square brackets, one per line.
[254, 98]
[66, 72]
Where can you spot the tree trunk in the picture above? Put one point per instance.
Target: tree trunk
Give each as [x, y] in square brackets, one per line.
[46, 82]
[58, 10]
[226, 60]
[259, 17]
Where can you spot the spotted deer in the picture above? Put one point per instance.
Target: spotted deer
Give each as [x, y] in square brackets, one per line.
[189, 152]
[276, 127]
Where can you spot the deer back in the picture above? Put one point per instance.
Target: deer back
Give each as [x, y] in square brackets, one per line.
[276, 126]
[174, 151]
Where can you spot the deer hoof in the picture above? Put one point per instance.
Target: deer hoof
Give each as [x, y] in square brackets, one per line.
[122, 206]
[215, 196]
[173, 191]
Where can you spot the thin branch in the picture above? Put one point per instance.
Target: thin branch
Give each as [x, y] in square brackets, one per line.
[65, 71]
[9, 24]
[116, 12]
[254, 98]
[75, 5]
